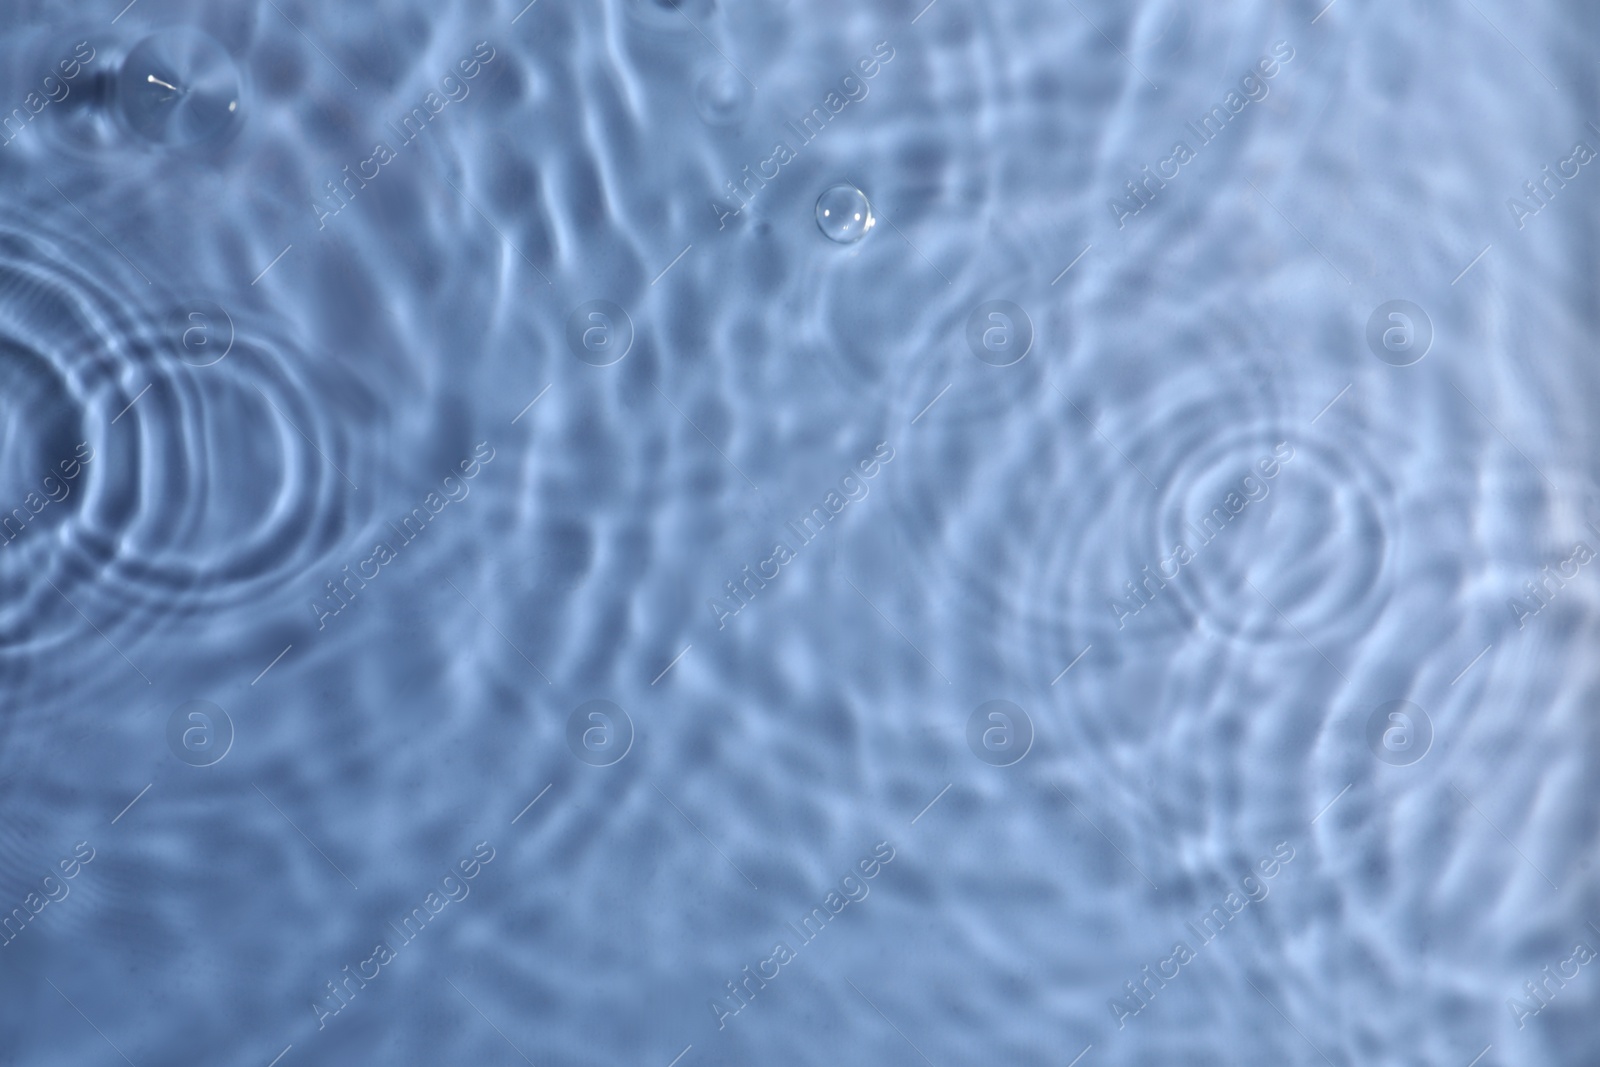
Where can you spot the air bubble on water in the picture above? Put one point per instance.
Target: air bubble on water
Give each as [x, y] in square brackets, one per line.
[844, 215]
[179, 87]
[721, 95]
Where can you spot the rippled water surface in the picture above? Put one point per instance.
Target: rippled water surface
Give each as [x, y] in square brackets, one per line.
[673, 533]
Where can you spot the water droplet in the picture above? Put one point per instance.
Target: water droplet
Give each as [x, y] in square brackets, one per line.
[843, 214]
[721, 95]
[179, 87]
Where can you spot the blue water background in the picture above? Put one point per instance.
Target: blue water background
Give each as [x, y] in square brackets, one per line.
[757, 758]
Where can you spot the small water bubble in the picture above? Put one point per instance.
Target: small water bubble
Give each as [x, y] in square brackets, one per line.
[843, 214]
[721, 95]
[179, 87]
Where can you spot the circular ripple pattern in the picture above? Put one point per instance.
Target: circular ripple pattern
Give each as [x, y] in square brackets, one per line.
[1190, 506]
[137, 485]
[1287, 572]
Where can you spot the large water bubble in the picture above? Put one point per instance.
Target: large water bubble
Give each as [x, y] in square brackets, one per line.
[179, 87]
[843, 214]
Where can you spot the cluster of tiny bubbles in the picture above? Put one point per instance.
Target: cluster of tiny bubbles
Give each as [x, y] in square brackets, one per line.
[721, 95]
[843, 214]
[180, 87]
